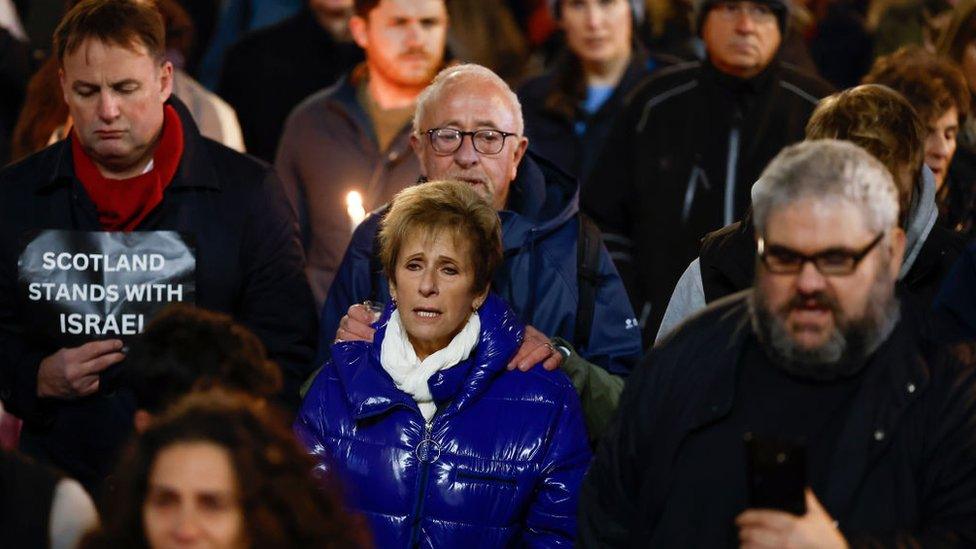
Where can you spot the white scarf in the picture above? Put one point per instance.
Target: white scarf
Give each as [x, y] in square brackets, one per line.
[409, 373]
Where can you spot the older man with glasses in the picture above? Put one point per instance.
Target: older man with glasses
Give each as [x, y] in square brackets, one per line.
[810, 411]
[556, 274]
[691, 142]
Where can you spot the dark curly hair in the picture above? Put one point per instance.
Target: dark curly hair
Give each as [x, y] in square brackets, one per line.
[282, 501]
[185, 348]
[932, 84]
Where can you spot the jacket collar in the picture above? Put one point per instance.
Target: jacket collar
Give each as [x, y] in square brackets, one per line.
[741, 86]
[542, 198]
[553, 96]
[341, 98]
[370, 391]
[896, 369]
[196, 167]
[922, 215]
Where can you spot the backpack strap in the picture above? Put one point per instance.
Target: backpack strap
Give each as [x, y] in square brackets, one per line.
[588, 277]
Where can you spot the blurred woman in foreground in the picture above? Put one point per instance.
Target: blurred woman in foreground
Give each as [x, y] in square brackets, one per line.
[219, 471]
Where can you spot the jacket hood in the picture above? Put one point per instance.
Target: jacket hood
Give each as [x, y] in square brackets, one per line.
[922, 216]
[370, 390]
[542, 198]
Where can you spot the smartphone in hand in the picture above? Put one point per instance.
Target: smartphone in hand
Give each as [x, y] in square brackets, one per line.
[776, 473]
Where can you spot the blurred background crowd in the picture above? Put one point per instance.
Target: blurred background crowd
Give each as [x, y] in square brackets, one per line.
[618, 142]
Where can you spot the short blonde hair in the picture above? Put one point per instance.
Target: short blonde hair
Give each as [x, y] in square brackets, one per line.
[450, 206]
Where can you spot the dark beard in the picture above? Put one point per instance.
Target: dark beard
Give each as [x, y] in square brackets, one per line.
[847, 349]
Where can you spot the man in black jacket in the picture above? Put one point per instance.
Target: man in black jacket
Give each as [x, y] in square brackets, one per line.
[135, 164]
[821, 354]
[689, 145]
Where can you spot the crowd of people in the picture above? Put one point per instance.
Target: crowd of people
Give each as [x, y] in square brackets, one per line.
[449, 273]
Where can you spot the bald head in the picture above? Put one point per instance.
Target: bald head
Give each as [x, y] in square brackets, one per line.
[468, 77]
[467, 99]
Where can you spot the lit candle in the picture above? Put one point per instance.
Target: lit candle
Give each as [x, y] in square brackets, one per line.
[355, 209]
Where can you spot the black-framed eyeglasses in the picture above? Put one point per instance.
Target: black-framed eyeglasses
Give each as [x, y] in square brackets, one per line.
[831, 262]
[448, 140]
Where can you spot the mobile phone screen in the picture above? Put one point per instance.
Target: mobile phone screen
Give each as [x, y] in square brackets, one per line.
[776, 472]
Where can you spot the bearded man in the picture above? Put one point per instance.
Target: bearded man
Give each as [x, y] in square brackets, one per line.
[822, 354]
[345, 150]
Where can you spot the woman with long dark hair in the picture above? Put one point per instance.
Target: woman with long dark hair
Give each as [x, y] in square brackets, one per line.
[570, 109]
[221, 469]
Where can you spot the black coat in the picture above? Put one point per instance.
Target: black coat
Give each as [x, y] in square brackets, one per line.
[26, 493]
[271, 70]
[664, 178]
[249, 265]
[903, 471]
[680, 162]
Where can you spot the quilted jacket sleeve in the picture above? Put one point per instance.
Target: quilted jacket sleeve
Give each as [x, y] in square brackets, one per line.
[551, 518]
[308, 426]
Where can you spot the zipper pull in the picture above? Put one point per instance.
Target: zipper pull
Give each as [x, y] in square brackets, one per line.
[428, 450]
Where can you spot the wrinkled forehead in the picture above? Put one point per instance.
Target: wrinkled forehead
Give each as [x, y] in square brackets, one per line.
[816, 223]
[471, 103]
[108, 54]
[437, 240]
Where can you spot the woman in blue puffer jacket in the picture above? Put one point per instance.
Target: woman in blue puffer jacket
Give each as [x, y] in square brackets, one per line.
[437, 443]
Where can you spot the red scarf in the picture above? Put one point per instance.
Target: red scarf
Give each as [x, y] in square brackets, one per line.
[123, 203]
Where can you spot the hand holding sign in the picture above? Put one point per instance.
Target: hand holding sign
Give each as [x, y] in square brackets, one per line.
[73, 372]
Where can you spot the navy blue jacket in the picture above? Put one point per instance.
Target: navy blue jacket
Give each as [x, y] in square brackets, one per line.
[538, 278]
[249, 265]
[504, 457]
[955, 304]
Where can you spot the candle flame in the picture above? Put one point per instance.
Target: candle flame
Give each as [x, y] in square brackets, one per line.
[354, 207]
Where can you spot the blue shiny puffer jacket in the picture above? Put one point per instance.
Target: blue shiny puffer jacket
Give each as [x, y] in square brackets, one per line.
[500, 464]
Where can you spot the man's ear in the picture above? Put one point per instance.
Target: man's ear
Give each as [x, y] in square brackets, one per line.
[142, 420]
[518, 155]
[418, 149]
[357, 28]
[166, 81]
[64, 84]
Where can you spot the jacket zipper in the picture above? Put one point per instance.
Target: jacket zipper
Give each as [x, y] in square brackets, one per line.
[418, 506]
[730, 169]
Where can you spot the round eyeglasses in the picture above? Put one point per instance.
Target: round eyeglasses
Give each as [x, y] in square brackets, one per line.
[448, 140]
